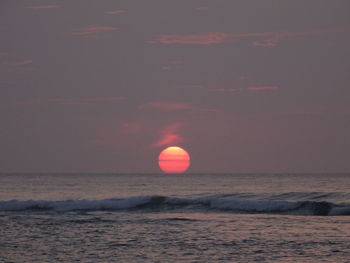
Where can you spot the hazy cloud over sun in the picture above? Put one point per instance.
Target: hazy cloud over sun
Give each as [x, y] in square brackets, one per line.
[170, 135]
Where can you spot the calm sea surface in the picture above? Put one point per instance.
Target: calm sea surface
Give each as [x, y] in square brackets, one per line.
[175, 218]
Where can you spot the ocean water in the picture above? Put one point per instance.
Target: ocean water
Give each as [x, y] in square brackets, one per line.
[175, 218]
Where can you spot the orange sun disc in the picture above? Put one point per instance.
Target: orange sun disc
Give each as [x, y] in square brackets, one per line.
[174, 160]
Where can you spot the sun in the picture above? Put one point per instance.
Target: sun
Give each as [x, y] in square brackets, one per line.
[174, 160]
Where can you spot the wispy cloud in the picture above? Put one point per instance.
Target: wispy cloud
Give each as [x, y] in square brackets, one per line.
[270, 42]
[190, 86]
[263, 88]
[170, 135]
[115, 12]
[75, 101]
[271, 39]
[93, 30]
[202, 8]
[259, 39]
[251, 88]
[165, 105]
[43, 6]
[18, 63]
[194, 39]
[176, 106]
[235, 90]
[209, 110]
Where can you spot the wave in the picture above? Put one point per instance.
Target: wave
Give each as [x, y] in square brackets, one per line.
[163, 203]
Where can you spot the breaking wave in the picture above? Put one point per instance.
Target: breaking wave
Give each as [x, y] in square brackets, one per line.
[163, 203]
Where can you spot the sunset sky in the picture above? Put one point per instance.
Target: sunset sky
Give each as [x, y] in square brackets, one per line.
[243, 86]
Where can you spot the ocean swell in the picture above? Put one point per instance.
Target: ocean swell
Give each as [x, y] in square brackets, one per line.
[163, 203]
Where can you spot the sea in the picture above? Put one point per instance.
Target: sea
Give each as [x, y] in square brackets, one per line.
[175, 218]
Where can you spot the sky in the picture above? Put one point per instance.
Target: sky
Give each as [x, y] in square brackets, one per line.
[244, 86]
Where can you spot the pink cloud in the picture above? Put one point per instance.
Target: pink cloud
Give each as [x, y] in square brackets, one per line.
[115, 12]
[262, 39]
[170, 135]
[43, 6]
[164, 105]
[195, 39]
[93, 30]
[263, 88]
[75, 101]
[19, 63]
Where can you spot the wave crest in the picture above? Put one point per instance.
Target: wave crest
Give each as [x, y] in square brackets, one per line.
[162, 203]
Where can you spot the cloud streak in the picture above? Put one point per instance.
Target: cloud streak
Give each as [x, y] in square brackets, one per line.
[194, 39]
[93, 30]
[202, 8]
[115, 12]
[165, 106]
[250, 89]
[263, 88]
[174, 106]
[260, 39]
[235, 90]
[78, 101]
[44, 6]
[190, 86]
[19, 63]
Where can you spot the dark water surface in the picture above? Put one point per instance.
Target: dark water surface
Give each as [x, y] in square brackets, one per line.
[182, 218]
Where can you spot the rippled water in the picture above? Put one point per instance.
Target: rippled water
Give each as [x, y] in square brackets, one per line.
[187, 218]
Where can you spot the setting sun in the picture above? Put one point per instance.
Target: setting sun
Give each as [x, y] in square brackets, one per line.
[174, 160]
